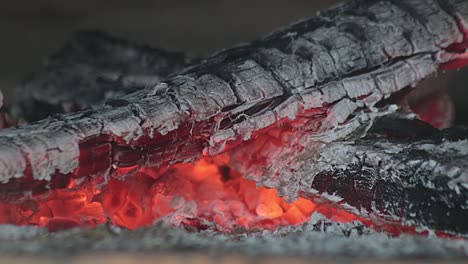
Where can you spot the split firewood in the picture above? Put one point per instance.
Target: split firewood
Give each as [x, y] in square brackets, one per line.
[313, 88]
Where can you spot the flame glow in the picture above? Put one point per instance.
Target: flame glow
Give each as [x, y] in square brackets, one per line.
[206, 192]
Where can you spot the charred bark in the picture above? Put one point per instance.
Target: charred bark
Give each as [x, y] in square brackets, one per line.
[333, 70]
[339, 64]
[92, 67]
[403, 171]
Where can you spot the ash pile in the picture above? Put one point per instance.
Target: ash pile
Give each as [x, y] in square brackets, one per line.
[317, 238]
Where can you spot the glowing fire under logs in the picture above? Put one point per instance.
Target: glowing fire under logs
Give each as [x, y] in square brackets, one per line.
[211, 192]
[199, 194]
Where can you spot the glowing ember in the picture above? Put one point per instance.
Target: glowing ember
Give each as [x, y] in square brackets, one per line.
[198, 194]
[210, 192]
[213, 191]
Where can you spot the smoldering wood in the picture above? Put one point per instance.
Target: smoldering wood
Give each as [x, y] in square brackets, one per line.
[403, 171]
[339, 64]
[91, 68]
[345, 60]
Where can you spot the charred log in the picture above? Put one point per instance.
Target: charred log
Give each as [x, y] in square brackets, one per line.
[92, 67]
[403, 171]
[335, 67]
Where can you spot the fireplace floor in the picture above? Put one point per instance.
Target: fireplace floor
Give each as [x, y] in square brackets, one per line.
[315, 240]
[119, 258]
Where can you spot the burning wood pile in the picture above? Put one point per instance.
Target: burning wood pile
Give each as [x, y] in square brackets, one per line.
[305, 132]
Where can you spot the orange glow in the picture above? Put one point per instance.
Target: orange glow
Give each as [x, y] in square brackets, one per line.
[212, 192]
[206, 192]
[269, 204]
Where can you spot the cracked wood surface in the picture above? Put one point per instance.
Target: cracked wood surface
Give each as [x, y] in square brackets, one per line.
[402, 171]
[334, 69]
[344, 61]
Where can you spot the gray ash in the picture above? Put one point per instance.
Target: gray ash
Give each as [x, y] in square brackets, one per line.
[318, 237]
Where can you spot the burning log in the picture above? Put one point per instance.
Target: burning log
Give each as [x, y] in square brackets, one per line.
[402, 171]
[268, 109]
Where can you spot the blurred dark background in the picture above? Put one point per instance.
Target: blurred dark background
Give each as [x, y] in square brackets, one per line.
[30, 30]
